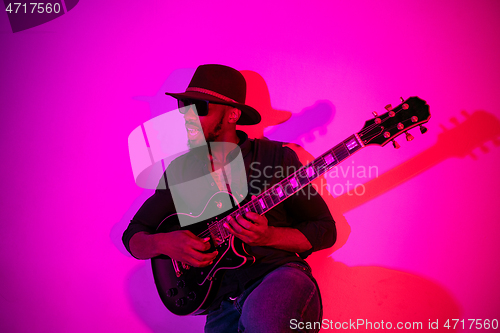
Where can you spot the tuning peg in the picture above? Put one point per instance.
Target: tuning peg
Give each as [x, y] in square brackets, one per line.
[409, 137]
[375, 114]
[395, 144]
[388, 107]
[402, 99]
[423, 129]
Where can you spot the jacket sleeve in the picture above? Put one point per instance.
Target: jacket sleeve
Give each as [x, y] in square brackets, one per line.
[310, 212]
[150, 215]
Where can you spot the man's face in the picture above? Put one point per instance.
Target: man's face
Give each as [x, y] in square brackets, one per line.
[213, 125]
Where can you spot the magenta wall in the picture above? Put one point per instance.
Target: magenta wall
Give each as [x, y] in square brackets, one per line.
[419, 245]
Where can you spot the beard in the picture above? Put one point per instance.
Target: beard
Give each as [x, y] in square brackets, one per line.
[215, 132]
[210, 137]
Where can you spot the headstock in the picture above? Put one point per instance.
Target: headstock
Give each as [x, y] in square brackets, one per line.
[396, 121]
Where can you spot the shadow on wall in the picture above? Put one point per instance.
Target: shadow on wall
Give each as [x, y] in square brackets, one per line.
[301, 125]
[378, 293]
[375, 293]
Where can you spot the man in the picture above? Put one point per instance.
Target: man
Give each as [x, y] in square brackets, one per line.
[278, 288]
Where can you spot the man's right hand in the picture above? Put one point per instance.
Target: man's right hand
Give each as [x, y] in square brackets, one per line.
[184, 246]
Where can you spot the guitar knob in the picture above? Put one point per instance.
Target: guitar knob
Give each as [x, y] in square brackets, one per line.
[172, 292]
[395, 144]
[423, 129]
[180, 302]
[409, 137]
[191, 296]
[181, 283]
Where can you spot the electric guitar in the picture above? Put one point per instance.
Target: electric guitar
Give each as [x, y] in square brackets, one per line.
[188, 290]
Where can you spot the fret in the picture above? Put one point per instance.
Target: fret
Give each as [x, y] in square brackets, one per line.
[288, 187]
[341, 152]
[268, 200]
[262, 203]
[212, 232]
[215, 232]
[245, 209]
[219, 231]
[248, 208]
[320, 165]
[255, 206]
[329, 159]
[293, 183]
[352, 144]
[311, 172]
[258, 208]
[274, 196]
[302, 177]
[224, 232]
[279, 191]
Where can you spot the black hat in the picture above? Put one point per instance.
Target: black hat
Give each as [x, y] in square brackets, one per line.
[222, 85]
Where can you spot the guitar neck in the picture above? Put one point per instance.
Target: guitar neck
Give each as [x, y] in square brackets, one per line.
[294, 182]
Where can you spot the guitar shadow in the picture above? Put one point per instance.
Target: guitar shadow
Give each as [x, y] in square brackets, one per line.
[376, 293]
[379, 293]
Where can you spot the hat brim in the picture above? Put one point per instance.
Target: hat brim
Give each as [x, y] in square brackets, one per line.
[249, 116]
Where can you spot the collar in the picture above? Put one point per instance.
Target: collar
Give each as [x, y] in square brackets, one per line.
[244, 145]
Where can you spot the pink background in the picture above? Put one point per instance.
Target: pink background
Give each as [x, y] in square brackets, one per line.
[418, 246]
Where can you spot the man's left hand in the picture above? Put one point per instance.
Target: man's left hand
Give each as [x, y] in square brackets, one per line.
[253, 229]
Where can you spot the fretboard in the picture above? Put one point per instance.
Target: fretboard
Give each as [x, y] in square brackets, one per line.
[295, 182]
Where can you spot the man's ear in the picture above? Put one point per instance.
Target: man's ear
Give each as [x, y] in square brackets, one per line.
[234, 115]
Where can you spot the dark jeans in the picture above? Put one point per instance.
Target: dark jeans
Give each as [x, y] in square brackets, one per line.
[274, 304]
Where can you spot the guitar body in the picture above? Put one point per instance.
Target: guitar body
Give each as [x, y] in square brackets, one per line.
[186, 290]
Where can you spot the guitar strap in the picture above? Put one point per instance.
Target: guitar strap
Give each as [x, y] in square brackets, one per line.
[264, 170]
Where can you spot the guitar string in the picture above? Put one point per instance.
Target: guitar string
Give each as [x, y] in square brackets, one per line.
[252, 203]
[370, 127]
[237, 212]
[215, 227]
